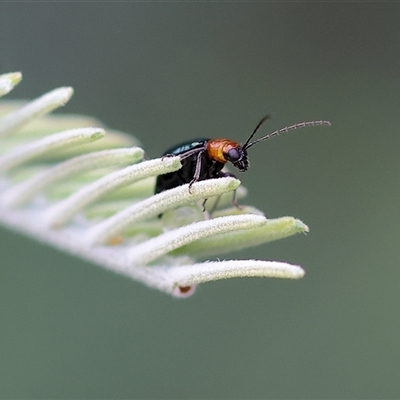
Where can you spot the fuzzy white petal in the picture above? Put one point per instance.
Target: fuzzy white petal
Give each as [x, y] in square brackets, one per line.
[62, 212]
[169, 241]
[36, 108]
[158, 204]
[48, 144]
[20, 194]
[9, 81]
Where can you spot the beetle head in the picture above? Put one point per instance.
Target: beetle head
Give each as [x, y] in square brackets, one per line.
[238, 157]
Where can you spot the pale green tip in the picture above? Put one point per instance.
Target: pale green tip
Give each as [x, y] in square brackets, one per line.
[9, 81]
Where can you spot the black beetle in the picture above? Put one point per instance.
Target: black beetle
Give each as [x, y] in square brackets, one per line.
[204, 158]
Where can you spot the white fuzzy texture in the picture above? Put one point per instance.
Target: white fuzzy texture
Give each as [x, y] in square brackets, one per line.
[66, 209]
[158, 204]
[169, 241]
[34, 109]
[47, 145]
[22, 193]
[167, 278]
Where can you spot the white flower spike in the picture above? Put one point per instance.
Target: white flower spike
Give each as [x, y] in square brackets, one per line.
[88, 191]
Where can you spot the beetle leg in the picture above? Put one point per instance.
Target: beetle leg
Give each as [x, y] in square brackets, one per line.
[234, 201]
[189, 153]
[204, 204]
[214, 206]
[196, 175]
[225, 174]
[206, 213]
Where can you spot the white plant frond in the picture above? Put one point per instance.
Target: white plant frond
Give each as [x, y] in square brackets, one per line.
[89, 192]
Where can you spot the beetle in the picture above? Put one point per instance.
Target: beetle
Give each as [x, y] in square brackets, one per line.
[205, 158]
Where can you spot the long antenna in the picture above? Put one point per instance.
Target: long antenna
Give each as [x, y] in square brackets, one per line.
[255, 130]
[299, 125]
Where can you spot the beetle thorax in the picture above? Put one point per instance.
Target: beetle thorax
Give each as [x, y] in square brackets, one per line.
[224, 150]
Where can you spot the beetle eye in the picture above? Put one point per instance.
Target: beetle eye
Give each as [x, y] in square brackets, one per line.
[233, 155]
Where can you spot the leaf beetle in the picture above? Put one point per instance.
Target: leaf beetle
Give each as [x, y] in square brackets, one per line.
[205, 158]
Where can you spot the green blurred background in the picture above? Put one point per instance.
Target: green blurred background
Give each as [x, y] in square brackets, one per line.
[167, 72]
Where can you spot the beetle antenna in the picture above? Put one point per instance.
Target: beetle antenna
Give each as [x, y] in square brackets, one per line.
[299, 125]
[255, 130]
